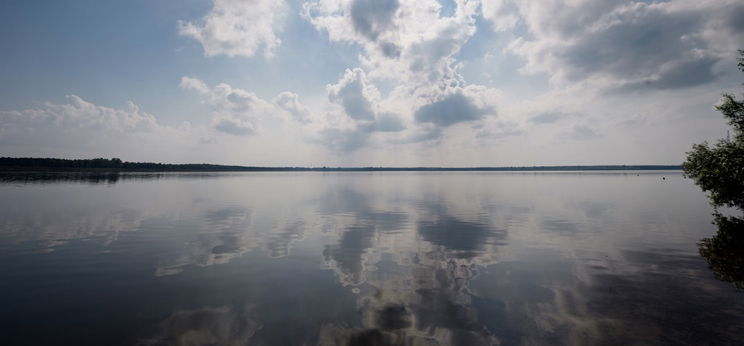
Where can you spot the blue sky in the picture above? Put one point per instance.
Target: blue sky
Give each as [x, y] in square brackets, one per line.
[363, 82]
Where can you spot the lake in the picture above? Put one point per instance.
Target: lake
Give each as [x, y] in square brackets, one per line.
[402, 258]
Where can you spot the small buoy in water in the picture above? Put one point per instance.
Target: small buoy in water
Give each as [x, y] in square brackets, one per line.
[663, 178]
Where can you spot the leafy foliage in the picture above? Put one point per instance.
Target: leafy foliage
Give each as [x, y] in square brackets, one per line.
[719, 170]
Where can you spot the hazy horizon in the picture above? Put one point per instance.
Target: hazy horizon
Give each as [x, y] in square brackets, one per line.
[3, 163]
[342, 83]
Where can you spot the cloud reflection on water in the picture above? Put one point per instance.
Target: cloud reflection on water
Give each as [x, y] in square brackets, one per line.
[425, 259]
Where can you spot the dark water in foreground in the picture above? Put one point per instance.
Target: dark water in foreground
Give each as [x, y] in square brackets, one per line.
[359, 258]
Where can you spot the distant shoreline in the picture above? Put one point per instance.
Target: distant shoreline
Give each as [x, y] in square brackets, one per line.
[19, 165]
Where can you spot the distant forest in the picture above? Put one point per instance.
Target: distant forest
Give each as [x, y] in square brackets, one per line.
[115, 164]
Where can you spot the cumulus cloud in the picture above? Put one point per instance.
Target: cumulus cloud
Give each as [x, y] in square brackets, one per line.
[503, 14]
[373, 17]
[412, 45]
[78, 113]
[290, 102]
[234, 111]
[354, 93]
[402, 40]
[82, 128]
[235, 27]
[362, 112]
[455, 105]
[238, 112]
[622, 44]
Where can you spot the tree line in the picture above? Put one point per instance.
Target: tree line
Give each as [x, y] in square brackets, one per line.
[719, 171]
[115, 164]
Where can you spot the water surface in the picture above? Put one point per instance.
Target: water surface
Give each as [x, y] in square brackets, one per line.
[409, 258]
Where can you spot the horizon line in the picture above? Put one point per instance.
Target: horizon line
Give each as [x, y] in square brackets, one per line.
[15, 163]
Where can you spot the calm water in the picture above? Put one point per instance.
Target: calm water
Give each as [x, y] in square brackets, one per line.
[360, 258]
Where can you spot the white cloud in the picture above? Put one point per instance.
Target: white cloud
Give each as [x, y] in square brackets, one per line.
[80, 128]
[362, 113]
[503, 14]
[290, 102]
[355, 94]
[234, 111]
[621, 44]
[194, 84]
[417, 87]
[236, 27]
[79, 114]
[412, 46]
[407, 41]
[239, 112]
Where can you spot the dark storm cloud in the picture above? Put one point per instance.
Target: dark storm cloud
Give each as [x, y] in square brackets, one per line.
[452, 109]
[372, 17]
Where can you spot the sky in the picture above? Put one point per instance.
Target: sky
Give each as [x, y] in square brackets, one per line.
[367, 82]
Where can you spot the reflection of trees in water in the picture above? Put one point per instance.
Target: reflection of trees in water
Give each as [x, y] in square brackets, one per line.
[100, 177]
[59, 177]
[719, 170]
[725, 250]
